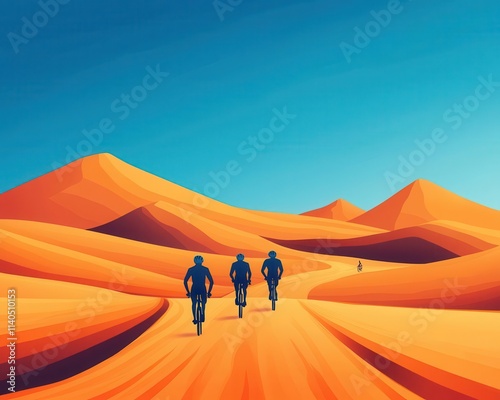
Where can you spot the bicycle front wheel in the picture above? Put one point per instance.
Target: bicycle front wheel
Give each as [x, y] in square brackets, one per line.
[199, 316]
[273, 296]
[241, 299]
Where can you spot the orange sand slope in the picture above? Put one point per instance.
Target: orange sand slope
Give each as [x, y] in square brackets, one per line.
[340, 209]
[87, 193]
[46, 250]
[163, 224]
[423, 201]
[418, 244]
[99, 189]
[471, 282]
[22, 255]
[61, 326]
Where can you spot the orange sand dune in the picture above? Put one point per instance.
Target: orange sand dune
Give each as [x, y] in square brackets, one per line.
[101, 188]
[436, 354]
[286, 226]
[89, 192]
[340, 209]
[469, 231]
[470, 282]
[163, 224]
[419, 244]
[423, 201]
[101, 260]
[21, 255]
[58, 336]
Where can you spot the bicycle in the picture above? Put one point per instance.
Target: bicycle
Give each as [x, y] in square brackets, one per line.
[241, 299]
[273, 294]
[199, 314]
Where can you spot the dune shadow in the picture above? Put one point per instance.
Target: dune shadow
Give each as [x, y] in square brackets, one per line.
[380, 247]
[261, 309]
[186, 334]
[227, 318]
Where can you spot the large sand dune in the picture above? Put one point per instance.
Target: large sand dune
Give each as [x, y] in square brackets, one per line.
[423, 201]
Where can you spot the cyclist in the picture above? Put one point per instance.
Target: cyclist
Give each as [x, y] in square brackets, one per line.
[198, 274]
[274, 271]
[241, 275]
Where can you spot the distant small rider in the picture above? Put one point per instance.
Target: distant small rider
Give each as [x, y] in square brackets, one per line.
[241, 275]
[198, 274]
[274, 271]
[360, 267]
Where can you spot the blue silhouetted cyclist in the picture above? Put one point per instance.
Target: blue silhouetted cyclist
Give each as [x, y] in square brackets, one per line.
[241, 275]
[198, 274]
[274, 271]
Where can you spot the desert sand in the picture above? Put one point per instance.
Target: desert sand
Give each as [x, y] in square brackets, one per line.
[98, 254]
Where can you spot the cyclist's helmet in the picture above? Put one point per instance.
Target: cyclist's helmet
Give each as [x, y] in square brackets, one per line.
[198, 259]
[272, 254]
[240, 257]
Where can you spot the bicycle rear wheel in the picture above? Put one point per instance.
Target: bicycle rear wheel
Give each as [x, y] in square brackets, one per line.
[199, 316]
[241, 299]
[273, 296]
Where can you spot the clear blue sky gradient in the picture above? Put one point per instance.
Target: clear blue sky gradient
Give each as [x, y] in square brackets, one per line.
[355, 121]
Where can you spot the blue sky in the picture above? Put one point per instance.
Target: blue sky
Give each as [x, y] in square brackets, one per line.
[354, 121]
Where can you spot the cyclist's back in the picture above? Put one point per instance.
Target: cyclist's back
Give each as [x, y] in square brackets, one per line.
[199, 275]
[241, 270]
[241, 275]
[273, 266]
[274, 271]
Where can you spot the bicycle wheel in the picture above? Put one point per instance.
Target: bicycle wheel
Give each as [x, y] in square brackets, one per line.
[199, 315]
[273, 296]
[241, 298]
